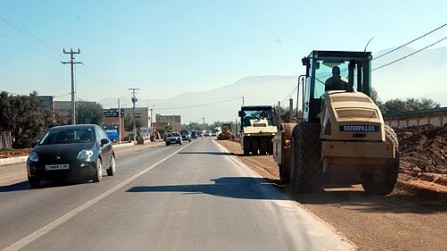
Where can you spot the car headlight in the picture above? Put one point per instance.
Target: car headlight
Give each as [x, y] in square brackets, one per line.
[33, 157]
[85, 154]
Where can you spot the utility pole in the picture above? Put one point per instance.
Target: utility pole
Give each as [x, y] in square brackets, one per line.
[134, 100]
[73, 88]
[119, 120]
[278, 115]
[243, 100]
[203, 123]
[290, 110]
[152, 117]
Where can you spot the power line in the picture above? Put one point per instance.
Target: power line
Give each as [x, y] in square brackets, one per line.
[60, 96]
[94, 75]
[290, 95]
[193, 106]
[30, 36]
[411, 54]
[102, 77]
[426, 34]
[29, 47]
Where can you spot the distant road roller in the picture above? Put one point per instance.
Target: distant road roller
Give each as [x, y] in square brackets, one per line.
[257, 129]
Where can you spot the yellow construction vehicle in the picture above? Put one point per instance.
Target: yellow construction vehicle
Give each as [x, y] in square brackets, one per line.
[226, 132]
[341, 136]
[257, 129]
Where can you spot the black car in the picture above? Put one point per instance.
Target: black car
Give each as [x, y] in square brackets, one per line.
[186, 135]
[71, 152]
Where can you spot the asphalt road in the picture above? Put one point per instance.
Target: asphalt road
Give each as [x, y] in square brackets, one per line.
[190, 197]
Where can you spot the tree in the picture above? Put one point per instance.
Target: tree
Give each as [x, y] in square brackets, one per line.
[164, 130]
[89, 113]
[128, 123]
[375, 97]
[5, 112]
[410, 104]
[27, 117]
[398, 105]
[193, 126]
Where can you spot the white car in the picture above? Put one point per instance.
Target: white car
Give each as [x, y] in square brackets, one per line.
[173, 138]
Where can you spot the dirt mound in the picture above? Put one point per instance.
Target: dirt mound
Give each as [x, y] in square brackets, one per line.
[423, 148]
[10, 153]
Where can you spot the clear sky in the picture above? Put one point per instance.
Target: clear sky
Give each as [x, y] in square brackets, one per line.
[166, 48]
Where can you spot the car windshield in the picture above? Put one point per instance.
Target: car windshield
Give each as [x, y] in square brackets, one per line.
[68, 136]
[257, 113]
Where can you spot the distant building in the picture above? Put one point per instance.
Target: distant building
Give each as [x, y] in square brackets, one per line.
[63, 110]
[48, 100]
[141, 113]
[111, 117]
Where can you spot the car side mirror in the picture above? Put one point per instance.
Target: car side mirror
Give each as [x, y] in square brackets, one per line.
[104, 141]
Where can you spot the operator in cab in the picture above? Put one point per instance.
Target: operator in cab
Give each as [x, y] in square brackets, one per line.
[336, 82]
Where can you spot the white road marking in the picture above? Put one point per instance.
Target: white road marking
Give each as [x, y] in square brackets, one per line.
[52, 225]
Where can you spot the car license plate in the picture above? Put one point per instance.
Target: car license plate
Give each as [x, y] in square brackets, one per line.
[57, 167]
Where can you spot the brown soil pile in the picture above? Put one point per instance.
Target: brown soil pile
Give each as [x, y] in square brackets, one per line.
[423, 148]
[8, 153]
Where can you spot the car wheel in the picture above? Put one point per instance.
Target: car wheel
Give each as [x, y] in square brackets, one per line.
[98, 172]
[180, 143]
[189, 140]
[34, 182]
[112, 169]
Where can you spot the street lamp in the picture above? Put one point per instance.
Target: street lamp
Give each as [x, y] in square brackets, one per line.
[134, 100]
[152, 115]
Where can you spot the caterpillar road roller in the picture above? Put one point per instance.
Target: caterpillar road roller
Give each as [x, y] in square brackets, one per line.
[257, 129]
[226, 132]
[341, 137]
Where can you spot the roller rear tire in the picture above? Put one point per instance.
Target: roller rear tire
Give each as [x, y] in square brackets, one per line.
[305, 166]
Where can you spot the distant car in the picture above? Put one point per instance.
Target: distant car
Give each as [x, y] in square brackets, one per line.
[186, 135]
[71, 152]
[194, 134]
[173, 138]
[112, 135]
[207, 134]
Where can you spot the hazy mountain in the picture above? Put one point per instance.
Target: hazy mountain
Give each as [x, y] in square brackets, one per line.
[221, 104]
[418, 76]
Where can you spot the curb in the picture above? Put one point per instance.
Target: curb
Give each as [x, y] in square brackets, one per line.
[14, 160]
